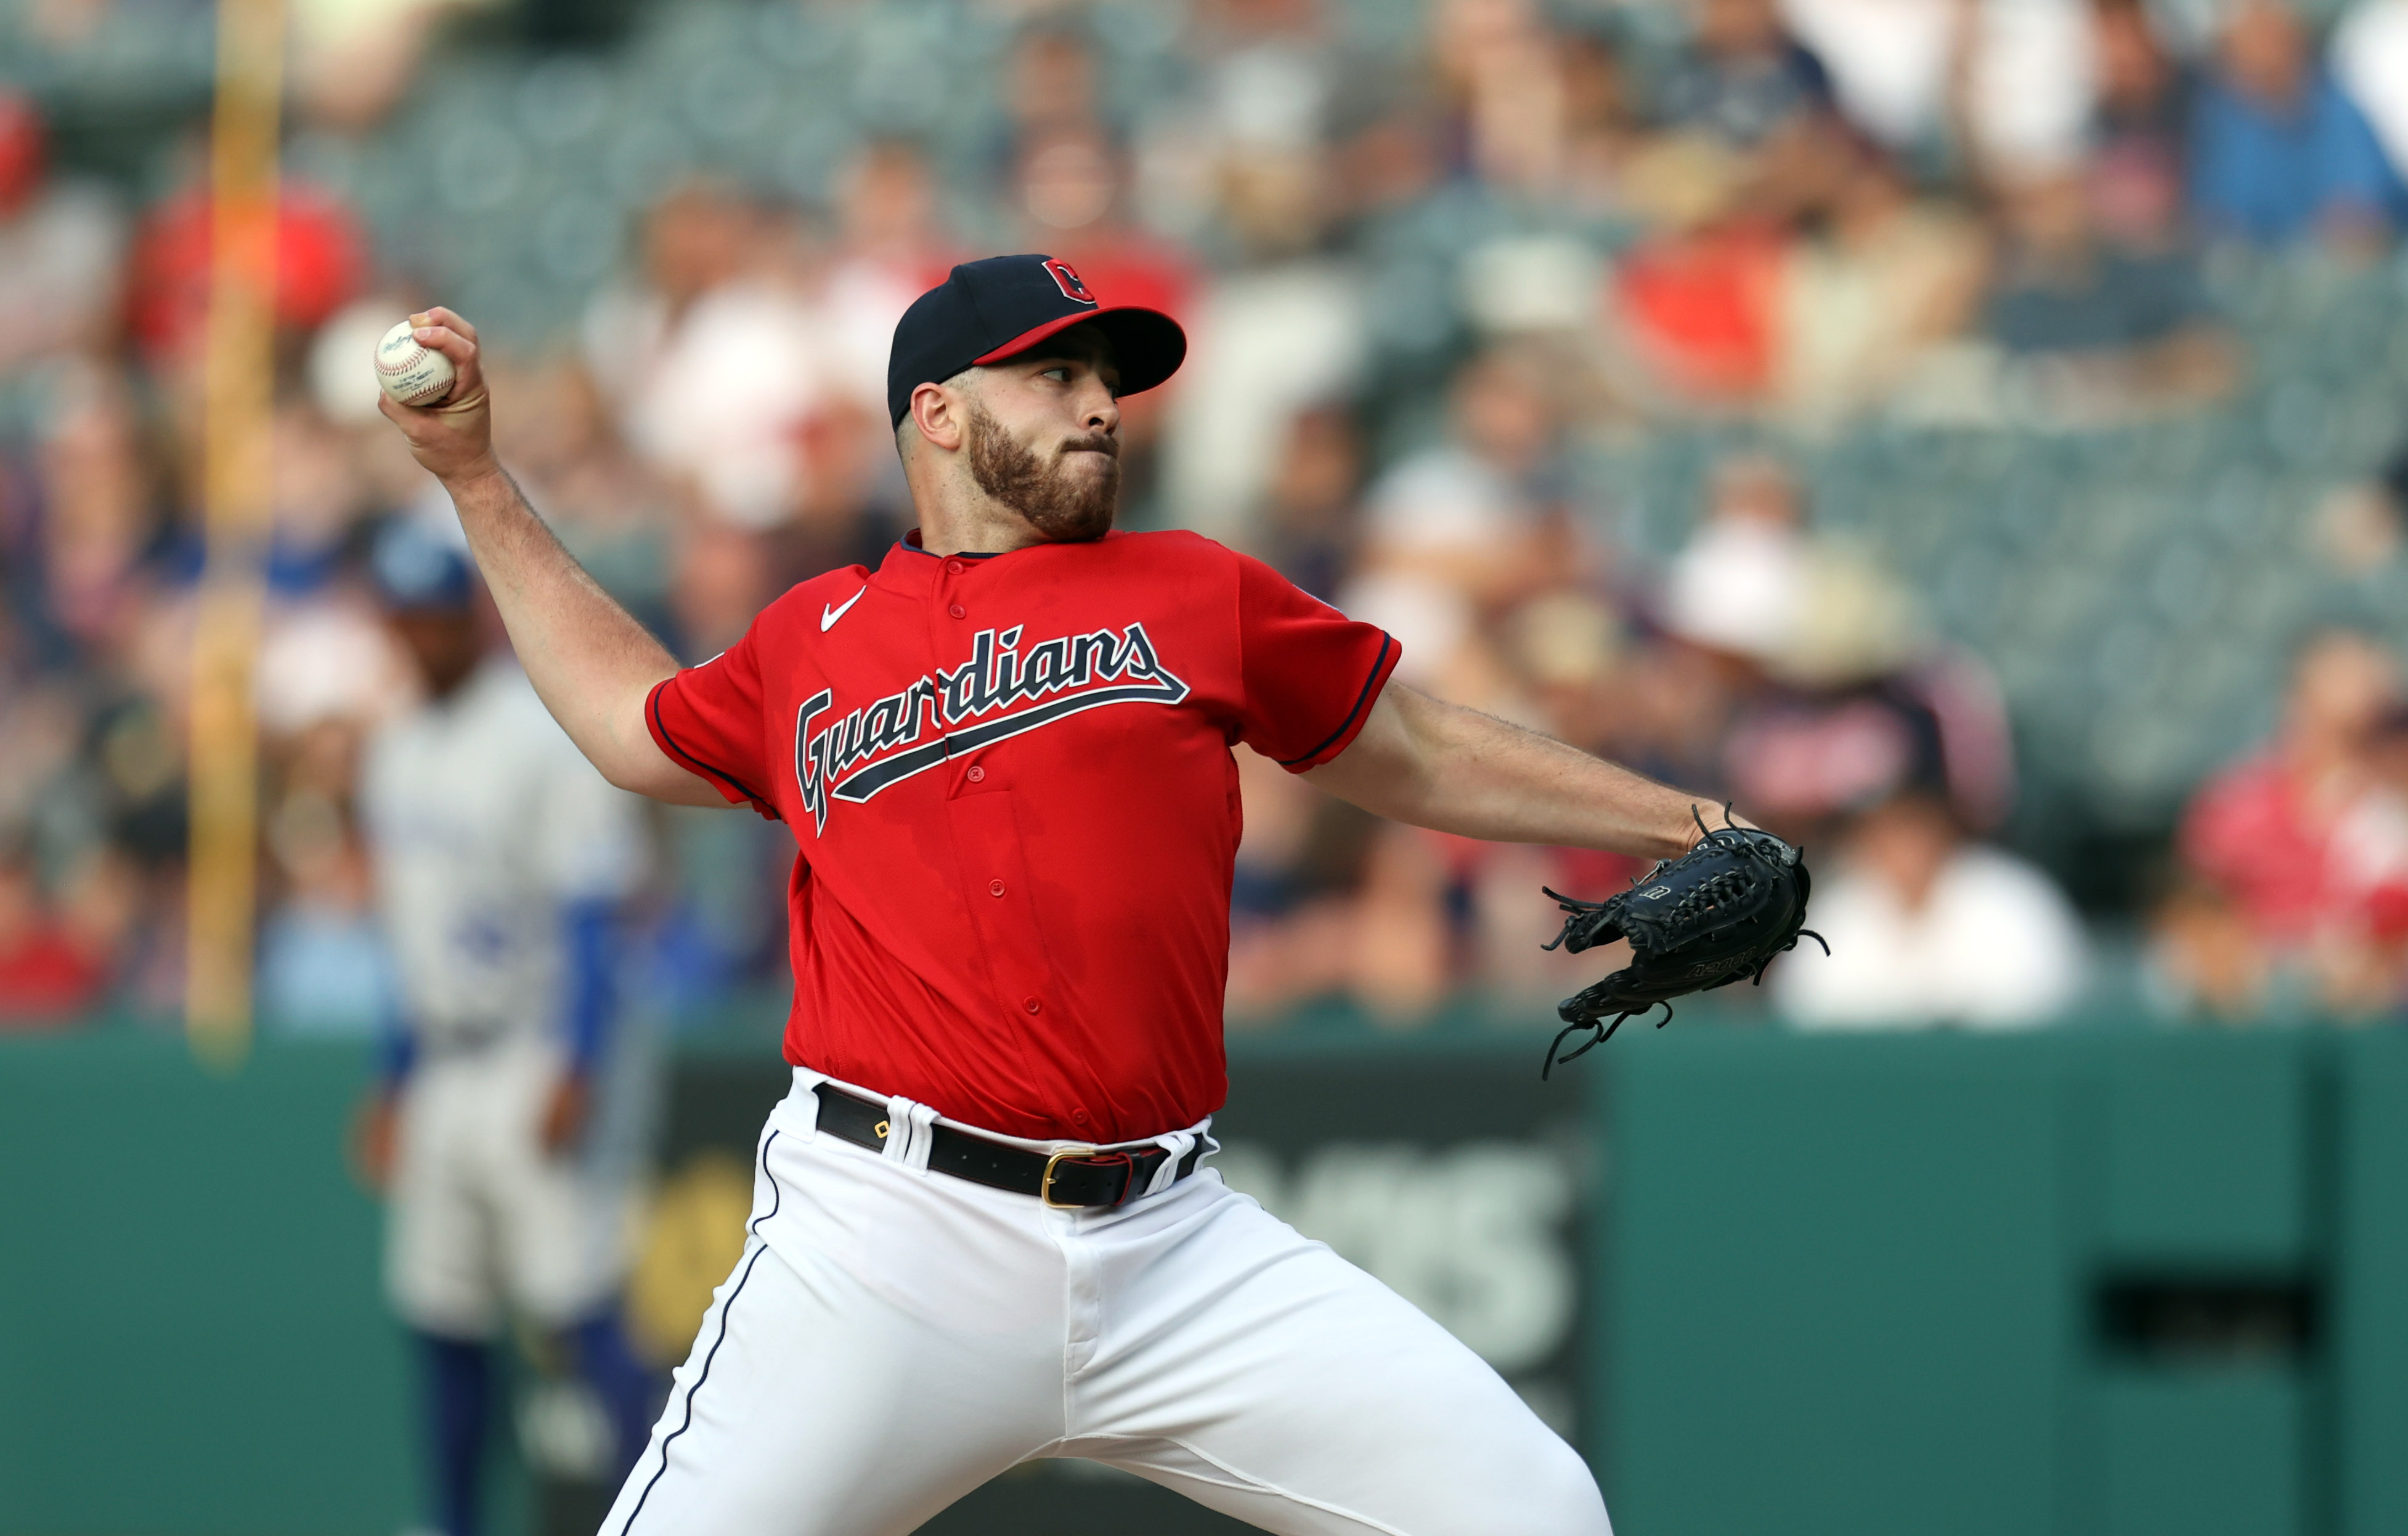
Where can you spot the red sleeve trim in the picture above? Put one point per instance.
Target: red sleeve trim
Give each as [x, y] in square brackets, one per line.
[732, 788]
[1348, 728]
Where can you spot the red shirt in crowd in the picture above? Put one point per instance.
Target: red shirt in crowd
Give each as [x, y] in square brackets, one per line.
[320, 262]
[1009, 778]
[2253, 831]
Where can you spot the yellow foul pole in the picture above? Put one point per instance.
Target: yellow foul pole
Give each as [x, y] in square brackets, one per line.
[238, 382]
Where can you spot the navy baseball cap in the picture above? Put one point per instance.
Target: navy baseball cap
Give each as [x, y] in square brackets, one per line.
[416, 568]
[988, 310]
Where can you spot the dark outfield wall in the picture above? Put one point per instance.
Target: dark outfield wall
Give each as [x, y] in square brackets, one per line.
[2102, 1283]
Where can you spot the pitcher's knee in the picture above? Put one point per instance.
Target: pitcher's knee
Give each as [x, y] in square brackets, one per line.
[1563, 1498]
[1541, 1488]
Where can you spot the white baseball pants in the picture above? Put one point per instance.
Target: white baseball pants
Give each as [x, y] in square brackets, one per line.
[891, 1338]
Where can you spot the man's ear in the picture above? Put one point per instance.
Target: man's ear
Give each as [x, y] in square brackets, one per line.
[942, 415]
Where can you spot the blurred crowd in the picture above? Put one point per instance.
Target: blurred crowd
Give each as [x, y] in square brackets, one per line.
[1418, 281]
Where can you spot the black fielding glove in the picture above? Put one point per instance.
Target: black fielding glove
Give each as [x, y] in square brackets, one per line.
[1720, 911]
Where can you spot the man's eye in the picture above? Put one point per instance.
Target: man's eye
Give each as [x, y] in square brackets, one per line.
[1062, 374]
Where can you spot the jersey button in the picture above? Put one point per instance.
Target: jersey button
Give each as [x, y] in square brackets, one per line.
[954, 567]
[994, 887]
[958, 612]
[974, 774]
[1032, 1005]
[1077, 1117]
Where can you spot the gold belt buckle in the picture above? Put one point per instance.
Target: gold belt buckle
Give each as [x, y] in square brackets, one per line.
[1045, 1185]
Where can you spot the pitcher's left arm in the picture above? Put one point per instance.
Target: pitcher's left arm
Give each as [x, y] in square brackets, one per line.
[1432, 764]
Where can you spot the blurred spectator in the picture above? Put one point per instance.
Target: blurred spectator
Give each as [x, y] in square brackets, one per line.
[1460, 529]
[1239, 162]
[323, 964]
[2115, 329]
[1050, 85]
[1697, 304]
[1265, 344]
[1308, 527]
[2203, 959]
[1745, 78]
[1884, 277]
[1739, 585]
[1496, 69]
[714, 362]
[891, 247]
[1836, 696]
[2016, 75]
[322, 259]
[49, 973]
[354, 60]
[1925, 927]
[1293, 917]
[2278, 153]
[2261, 831]
[1601, 127]
[2141, 124]
[611, 511]
[320, 498]
[99, 511]
[329, 670]
[2359, 951]
[61, 248]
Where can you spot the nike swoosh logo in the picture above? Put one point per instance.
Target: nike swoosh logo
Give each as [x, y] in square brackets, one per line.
[828, 616]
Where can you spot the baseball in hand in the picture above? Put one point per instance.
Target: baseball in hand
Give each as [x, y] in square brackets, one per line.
[411, 374]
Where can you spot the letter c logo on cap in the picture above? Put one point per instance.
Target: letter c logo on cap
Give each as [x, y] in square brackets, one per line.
[1072, 287]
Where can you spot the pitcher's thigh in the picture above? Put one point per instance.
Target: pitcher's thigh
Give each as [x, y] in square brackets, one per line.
[1308, 1399]
[807, 1409]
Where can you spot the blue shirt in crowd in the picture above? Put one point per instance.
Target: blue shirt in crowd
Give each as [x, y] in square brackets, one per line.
[2272, 176]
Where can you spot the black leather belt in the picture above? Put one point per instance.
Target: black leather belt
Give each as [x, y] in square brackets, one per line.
[1068, 1180]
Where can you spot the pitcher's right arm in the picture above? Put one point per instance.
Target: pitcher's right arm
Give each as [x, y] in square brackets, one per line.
[592, 664]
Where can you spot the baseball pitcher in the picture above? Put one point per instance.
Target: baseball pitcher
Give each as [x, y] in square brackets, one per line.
[983, 1228]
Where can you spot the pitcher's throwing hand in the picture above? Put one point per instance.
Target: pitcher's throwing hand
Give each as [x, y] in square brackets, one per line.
[451, 438]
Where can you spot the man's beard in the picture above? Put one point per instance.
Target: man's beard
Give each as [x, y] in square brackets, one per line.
[1064, 507]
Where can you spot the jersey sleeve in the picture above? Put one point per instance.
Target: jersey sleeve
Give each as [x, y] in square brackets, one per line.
[708, 719]
[1310, 673]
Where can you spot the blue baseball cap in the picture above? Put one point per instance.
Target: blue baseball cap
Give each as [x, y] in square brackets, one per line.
[988, 310]
[415, 568]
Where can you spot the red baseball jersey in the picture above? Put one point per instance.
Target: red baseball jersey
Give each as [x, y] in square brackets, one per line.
[1009, 778]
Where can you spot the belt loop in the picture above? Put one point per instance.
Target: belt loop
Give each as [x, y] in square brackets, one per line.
[807, 1099]
[907, 1138]
[1175, 1148]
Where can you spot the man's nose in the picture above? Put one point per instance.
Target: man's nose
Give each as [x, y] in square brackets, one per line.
[1099, 411]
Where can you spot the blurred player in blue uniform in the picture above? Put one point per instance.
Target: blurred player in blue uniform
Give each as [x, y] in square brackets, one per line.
[502, 857]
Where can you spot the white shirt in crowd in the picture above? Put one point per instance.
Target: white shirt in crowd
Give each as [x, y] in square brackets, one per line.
[1994, 946]
[484, 819]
